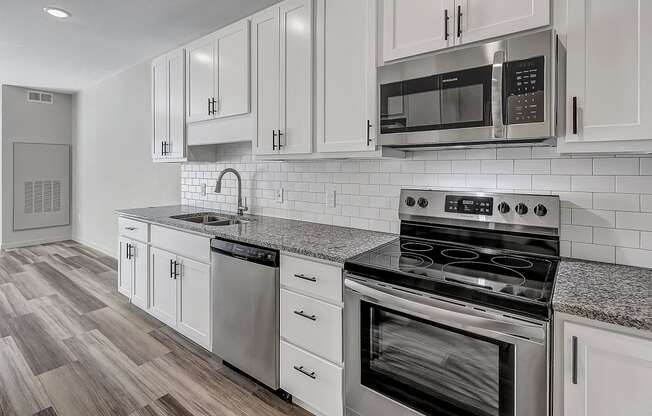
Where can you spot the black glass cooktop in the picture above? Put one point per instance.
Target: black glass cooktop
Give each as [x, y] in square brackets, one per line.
[487, 276]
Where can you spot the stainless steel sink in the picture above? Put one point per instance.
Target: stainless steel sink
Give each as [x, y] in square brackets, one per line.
[208, 218]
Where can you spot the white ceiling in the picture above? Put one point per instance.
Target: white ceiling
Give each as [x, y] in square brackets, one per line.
[101, 37]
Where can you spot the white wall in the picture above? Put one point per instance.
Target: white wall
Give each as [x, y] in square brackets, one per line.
[37, 123]
[606, 200]
[112, 165]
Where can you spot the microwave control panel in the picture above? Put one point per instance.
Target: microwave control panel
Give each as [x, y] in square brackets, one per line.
[524, 91]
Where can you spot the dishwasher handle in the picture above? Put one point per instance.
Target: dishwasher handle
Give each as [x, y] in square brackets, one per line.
[246, 252]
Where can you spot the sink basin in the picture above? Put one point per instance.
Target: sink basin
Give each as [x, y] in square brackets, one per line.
[209, 219]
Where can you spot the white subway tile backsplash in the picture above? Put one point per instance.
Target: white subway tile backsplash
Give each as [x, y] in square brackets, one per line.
[593, 252]
[593, 183]
[616, 202]
[615, 166]
[619, 238]
[606, 210]
[571, 166]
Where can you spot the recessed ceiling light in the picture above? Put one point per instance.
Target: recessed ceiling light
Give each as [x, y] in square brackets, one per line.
[53, 11]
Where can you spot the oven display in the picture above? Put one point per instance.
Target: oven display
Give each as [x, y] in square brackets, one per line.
[477, 205]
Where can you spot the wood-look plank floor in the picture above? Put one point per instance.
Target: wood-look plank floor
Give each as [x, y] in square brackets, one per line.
[70, 345]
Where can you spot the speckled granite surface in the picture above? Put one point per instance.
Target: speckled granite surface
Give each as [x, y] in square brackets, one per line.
[316, 240]
[620, 295]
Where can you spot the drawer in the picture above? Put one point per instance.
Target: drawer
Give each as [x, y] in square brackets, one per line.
[312, 380]
[319, 279]
[179, 242]
[312, 324]
[136, 230]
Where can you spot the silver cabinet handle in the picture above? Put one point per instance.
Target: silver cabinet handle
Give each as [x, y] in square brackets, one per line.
[131, 228]
[303, 371]
[304, 277]
[305, 315]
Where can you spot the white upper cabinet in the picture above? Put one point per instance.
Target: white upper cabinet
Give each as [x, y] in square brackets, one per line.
[413, 27]
[481, 19]
[605, 373]
[346, 75]
[282, 78]
[168, 102]
[609, 84]
[218, 74]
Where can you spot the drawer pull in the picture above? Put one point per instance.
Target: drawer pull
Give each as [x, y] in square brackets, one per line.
[305, 372]
[131, 228]
[305, 315]
[304, 277]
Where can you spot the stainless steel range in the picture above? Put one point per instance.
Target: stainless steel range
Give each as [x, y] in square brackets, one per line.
[452, 318]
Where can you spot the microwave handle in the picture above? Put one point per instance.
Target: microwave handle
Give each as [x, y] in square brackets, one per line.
[497, 94]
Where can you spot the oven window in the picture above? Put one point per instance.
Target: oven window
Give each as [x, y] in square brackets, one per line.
[433, 368]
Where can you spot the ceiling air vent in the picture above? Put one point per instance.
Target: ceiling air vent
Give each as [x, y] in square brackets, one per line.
[39, 97]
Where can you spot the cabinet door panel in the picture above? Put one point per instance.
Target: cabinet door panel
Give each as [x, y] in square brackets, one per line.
[163, 287]
[194, 300]
[607, 70]
[346, 74]
[412, 27]
[159, 106]
[125, 269]
[296, 76]
[176, 93]
[233, 71]
[265, 78]
[614, 373]
[200, 79]
[140, 296]
[483, 19]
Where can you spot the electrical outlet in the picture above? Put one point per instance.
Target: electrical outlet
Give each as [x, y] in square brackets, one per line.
[203, 189]
[330, 199]
[279, 195]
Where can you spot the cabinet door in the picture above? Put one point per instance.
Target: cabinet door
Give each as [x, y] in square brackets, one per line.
[482, 19]
[296, 76]
[140, 259]
[232, 70]
[176, 64]
[194, 317]
[608, 70]
[613, 373]
[163, 287]
[346, 75]
[265, 64]
[200, 79]
[125, 268]
[412, 27]
[159, 106]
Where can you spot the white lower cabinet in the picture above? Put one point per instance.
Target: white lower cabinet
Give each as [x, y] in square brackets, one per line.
[605, 372]
[194, 300]
[311, 334]
[314, 381]
[164, 286]
[125, 268]
[133, 262]
[140, 276]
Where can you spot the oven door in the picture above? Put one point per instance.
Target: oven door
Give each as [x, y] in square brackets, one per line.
[411, 355]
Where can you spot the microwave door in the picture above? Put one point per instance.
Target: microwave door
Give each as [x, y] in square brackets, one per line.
[410, 106]
[466, 99]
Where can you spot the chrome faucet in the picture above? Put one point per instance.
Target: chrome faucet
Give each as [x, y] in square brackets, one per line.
[218, 189]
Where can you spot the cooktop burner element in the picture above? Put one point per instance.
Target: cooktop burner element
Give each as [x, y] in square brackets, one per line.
[509, 264]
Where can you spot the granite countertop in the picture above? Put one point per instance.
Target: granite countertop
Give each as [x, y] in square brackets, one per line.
[620, 295]
[321, 241]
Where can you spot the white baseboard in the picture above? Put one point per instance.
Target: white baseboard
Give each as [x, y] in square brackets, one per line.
[27, 243]
[103, 250]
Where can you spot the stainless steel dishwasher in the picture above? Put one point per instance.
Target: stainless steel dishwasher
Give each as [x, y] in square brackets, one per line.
[246, 309]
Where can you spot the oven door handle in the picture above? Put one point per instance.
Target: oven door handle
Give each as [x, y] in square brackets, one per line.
[452, 315]
[497, 94]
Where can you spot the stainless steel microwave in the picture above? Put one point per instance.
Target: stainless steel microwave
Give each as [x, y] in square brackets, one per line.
[501, 92]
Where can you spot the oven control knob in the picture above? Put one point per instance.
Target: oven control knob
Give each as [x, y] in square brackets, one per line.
[422, 202]
[521, 209]
[409, 201]
[503, 207]
[540, 210]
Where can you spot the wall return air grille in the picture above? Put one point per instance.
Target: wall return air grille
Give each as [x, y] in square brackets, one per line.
[40, 97]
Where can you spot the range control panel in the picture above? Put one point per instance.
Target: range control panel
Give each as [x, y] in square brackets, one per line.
[479, 205]
[524, 90]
